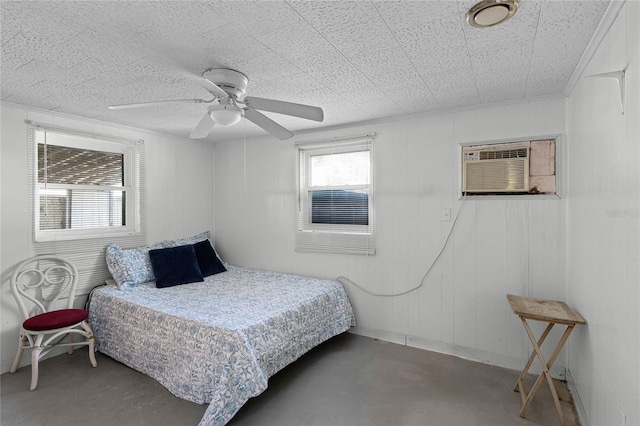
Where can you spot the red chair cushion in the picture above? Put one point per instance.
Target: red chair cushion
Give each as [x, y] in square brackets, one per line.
[55, 319]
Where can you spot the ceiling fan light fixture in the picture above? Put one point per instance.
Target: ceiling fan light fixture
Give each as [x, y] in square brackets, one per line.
[225, 115]
[488, 13]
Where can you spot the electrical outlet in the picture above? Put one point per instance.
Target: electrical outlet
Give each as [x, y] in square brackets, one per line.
[446, 215]
[622, 417]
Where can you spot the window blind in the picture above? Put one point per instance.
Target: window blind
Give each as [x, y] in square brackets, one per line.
[77, 183]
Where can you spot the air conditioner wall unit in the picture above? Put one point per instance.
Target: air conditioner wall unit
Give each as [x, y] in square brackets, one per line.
[495, 171]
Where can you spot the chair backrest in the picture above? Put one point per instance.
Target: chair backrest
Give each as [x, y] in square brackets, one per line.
[41, 281]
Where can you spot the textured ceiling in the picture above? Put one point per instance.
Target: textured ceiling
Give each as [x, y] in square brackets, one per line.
[358, 60]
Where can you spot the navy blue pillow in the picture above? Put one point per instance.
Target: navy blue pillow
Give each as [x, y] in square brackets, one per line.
[208, 259]
[175, 265]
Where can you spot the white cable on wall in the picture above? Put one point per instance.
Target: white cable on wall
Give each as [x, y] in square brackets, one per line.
[345, 280]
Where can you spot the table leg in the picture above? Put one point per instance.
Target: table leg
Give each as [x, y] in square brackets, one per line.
[533, 355]
[555, 354]
[546, 366]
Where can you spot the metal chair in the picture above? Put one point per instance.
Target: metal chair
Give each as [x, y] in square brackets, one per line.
[39, 284]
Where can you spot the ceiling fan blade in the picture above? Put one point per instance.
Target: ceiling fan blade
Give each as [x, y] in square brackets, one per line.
[203, 128]
[267, 124]
[287, 108]
[153, 103]
[213, 88]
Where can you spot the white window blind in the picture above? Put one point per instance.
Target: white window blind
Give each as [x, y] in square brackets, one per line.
[86, 191]
[335, 197]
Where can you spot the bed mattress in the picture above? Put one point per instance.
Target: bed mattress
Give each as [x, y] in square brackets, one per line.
[218, 341]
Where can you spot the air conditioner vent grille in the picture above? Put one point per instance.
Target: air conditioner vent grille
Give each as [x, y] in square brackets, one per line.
[507, 176]
[496, 171]
[509, 153]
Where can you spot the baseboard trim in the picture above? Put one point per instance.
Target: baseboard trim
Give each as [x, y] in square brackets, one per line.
[471, 354]
[387, 336]
[577, 401]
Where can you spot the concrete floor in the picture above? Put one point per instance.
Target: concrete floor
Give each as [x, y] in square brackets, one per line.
[349, 380]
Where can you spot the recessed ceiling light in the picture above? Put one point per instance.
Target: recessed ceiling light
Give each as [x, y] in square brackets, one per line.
[488, 13]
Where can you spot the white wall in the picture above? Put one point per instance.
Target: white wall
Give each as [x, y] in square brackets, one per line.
[180, 197]
[603, 229]
[499, 246]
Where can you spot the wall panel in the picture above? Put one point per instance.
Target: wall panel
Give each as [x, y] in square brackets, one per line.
[461, 308]
[603, 229]
[180, 197]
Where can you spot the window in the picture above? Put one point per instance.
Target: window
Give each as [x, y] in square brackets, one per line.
[84, 186]
[335, 211]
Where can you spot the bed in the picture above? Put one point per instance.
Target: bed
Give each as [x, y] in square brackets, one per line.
[218, 341]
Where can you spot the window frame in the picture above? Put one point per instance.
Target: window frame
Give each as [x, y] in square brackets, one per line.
[334, 238]
[305, 190]
[559, 155]
[130, 187]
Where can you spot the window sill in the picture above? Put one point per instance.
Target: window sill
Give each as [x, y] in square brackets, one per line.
[58, 236]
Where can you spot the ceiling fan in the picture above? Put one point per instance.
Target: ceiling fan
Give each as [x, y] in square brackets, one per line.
[229, 105]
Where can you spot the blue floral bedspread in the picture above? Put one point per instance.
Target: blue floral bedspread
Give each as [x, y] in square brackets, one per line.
[218, 341]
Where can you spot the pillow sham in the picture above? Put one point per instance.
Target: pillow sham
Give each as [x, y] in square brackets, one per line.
[131, 267]
[207, 258]
[175, 265]
[184, 241]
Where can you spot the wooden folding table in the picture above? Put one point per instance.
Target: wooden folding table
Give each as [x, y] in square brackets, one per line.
[552, 312]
